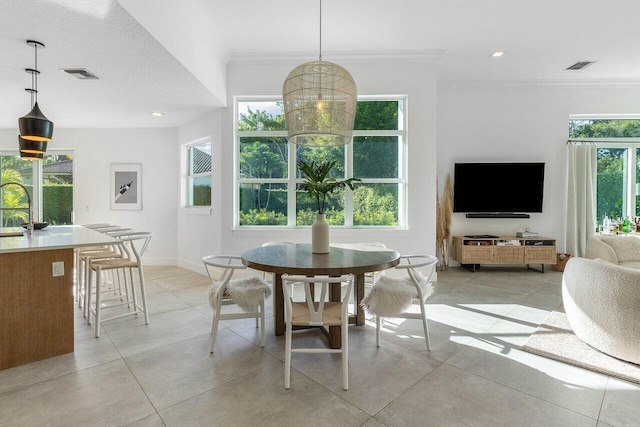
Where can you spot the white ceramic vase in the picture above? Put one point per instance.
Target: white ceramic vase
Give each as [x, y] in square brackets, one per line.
[320, 235]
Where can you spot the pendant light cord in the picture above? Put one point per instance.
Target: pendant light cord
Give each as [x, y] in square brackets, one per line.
[35, 75]
[320, 57]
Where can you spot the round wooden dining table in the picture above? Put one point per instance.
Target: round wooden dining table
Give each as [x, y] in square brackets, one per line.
[356, 259]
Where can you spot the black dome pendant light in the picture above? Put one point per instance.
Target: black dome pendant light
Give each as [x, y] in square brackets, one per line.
[32, 150]
[35, 129]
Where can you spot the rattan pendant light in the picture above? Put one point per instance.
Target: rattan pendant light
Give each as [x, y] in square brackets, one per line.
[35, 129]
[319, 102]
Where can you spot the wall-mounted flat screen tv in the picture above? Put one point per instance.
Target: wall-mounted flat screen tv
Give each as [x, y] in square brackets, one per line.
[498, 187]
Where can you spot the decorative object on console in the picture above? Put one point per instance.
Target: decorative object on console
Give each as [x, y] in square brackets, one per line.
[526, 233]
[317, 186]
[34, 126]
[319, 100]
[444, 213]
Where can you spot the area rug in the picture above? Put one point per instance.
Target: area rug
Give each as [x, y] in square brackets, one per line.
[555, 339]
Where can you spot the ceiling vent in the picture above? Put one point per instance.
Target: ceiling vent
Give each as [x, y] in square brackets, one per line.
[580, 65]
[81, 73]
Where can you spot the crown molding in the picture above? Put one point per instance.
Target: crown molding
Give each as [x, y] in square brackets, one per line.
[602, 83]
[406, 56]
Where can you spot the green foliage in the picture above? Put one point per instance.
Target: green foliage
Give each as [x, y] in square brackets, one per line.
[308, 216]
[259, 160]
[58, 203]
[261, 120]
[316, 183]
[376, 115]
[13, 199]
[201, 195]
[375, 205]
[604, 128]
[262, 217]
[383, 218]
[611, 162]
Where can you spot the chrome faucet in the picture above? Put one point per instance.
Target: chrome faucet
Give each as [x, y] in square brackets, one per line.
[30, 221]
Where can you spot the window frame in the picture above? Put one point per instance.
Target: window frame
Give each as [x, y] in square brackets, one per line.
[185, 190]
[37, 201]
[291, 182]
[632, 146]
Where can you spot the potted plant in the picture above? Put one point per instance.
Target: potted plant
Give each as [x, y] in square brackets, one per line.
[317, 186]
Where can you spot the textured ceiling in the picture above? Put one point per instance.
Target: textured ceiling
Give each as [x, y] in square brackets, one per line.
[171, 55]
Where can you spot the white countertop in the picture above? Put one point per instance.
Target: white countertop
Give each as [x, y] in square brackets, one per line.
[53, 237]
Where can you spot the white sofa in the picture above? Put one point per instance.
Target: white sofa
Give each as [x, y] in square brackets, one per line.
[602, 302]
[621, 249]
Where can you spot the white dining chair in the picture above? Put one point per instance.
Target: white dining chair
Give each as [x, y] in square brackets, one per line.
[247, 293]
[314, 310]
[393, 296]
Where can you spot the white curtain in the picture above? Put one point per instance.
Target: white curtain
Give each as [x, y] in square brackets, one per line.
[581, 207]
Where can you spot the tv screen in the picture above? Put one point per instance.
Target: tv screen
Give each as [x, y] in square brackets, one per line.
[498, 187]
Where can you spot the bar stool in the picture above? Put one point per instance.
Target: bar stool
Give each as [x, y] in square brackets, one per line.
[132, 247]
[86, 254]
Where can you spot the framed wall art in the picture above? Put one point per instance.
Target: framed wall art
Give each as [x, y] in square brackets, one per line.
[126, 186]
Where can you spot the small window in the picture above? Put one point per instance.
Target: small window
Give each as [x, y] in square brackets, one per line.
[199, 174]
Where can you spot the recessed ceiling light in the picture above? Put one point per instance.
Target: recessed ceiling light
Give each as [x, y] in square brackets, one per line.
[80, 73]
[498, 53]
[580, 65]
[157, 114]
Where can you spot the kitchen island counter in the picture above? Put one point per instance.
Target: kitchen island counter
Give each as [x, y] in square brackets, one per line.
[36, 292]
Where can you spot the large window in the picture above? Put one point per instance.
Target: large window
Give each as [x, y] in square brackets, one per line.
[198, 174]
[50, 186]
[618, 163]
[267, 177]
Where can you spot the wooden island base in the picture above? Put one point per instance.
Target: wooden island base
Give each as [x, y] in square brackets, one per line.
[36, 309]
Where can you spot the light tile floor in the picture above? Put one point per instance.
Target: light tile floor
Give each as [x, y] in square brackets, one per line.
[475, 375]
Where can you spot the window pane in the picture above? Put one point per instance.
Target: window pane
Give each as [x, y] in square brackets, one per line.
[307, 208]
[263, 204]
[263, 157]
[375, 204]
[57, 189]
[200, 191]
[628, 128]
[610, 186]
[200, 158]
[261, 116]
[637, 193]
[323, 154]
[13, 197]
[375, 157]
[377, 115]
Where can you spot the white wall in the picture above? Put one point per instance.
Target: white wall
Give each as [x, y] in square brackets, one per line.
[199, 228]
[474, 123]
[519, 123]
[417, 80]
[94, 150]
